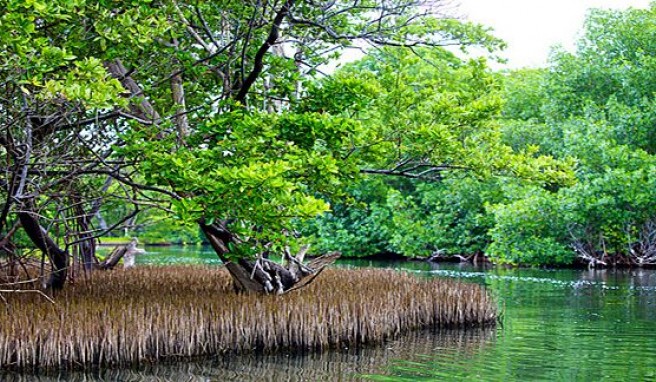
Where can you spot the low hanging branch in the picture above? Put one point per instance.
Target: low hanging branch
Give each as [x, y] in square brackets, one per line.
[415, 169]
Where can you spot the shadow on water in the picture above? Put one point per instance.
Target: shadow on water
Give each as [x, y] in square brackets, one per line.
[337, 365]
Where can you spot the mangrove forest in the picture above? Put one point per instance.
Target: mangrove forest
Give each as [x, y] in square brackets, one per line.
[241, 128]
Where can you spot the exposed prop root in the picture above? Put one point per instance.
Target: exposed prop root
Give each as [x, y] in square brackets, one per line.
[642, 252]
[158, 313]
[263, 275]
[267, 276]
[440, 256]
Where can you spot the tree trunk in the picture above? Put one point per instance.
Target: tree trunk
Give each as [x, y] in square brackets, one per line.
[263, 275]
[126, 252]
[179, 102]
[102, 223]
[57, 256]
[86, 243]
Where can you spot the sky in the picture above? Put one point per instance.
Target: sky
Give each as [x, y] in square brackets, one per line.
[532, 27]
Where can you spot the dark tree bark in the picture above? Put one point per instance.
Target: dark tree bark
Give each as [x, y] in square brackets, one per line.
[263, 275]
[57, 256]
[258, 61]
[86, 243]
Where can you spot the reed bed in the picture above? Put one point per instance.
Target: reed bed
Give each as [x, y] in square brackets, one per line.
[143, 315]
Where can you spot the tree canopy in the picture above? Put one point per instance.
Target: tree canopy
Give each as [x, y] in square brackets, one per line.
[591, 109]
[217, 114]
[204, 110]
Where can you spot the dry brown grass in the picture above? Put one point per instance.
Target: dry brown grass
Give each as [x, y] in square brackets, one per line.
[147, 314]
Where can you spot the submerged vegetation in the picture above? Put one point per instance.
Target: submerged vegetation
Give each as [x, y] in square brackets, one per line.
[153, 313]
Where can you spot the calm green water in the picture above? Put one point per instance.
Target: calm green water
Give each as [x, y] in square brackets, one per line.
[558, 325]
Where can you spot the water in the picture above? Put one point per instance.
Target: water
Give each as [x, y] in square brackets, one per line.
[156, 255]
[558, 325]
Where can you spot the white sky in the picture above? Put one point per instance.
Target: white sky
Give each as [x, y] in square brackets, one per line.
[532, 27]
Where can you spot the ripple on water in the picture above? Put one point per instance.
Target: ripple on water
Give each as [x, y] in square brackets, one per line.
[575, 284]
[558, 326]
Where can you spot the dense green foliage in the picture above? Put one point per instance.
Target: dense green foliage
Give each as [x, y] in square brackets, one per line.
[448, 110]
[596, 106]
[141, 117]
[593, 109]
[210, 113]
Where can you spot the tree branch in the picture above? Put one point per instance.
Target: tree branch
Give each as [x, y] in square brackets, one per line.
[258, 63]
[415, 170]
[118, 71]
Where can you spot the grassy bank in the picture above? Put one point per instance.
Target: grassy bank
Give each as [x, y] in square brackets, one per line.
[148, 314]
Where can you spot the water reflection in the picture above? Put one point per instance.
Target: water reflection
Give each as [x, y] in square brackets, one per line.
[559, 325]
[338, 365]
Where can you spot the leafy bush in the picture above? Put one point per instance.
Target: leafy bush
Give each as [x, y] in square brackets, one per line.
[530, 231]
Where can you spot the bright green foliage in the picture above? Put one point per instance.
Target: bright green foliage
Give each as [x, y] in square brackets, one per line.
[448, 217]
[596, 106]
[407, 234]
[166, 230]
[456, 213]
[242, 162]
[358, 228]
[531, 230]
[46, 48]
[431, 100]
[437, 107]
[524, 94]
[340, 94]
[265, 143]
[613, 71]
[614, 203]
[430, 105]
[199, 109]
[260, 169]
[593, 110]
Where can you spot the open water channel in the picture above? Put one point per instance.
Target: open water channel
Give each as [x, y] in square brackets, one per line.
[558, 325]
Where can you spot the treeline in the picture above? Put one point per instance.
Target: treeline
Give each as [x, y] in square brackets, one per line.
[164, 122]
[594, 110]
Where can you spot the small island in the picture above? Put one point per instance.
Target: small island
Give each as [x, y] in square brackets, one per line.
[147, 314]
